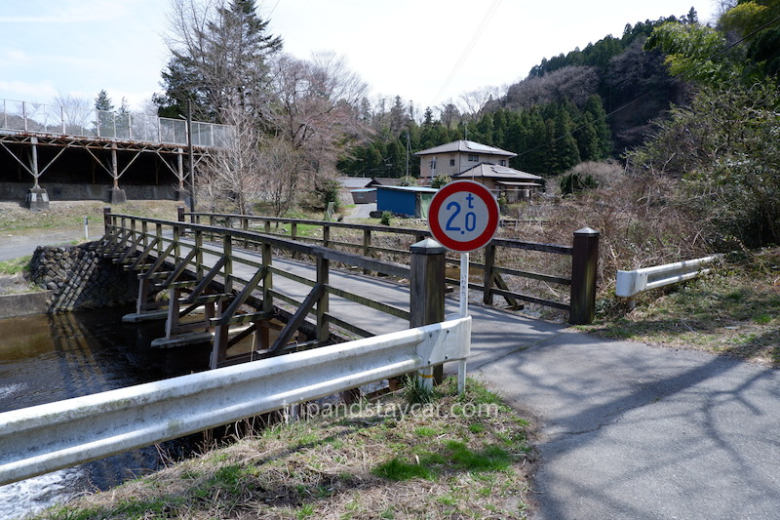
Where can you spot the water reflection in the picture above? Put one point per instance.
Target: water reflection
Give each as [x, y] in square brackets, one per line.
[51, 358]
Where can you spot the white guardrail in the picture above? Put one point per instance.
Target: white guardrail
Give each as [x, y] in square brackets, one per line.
[45, 438]
[631, 283]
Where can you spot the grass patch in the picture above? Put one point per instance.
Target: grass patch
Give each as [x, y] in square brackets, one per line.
[423, 463]
[15, 266]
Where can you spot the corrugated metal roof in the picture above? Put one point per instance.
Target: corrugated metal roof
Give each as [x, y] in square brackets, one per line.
[466, 147]
[353, 182]
[419, 189]
[493, 171]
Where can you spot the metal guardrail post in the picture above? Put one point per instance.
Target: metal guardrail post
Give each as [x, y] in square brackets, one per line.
[427, 292]
[584, 270]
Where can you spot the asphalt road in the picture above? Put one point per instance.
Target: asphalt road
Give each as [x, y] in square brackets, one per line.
[15, 245]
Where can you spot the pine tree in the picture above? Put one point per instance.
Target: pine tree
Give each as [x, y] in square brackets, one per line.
[567, 154]
[105, 125]
[598, 117]
[221, 65]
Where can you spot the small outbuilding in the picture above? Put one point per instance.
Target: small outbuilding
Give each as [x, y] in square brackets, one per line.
[364, 196]
[408, 201]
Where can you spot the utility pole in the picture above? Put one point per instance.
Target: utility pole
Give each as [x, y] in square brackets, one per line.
[407, 152]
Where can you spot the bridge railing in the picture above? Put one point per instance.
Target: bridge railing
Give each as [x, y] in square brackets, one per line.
[577, 272]
[242, 262]
[57, 435]
[40, 118]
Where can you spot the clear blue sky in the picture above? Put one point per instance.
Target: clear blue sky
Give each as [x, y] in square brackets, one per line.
[429, 51]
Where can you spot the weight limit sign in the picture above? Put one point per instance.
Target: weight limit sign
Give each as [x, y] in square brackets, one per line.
[463, 216]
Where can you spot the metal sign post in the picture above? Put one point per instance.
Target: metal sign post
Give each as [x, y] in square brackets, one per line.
[464, 285]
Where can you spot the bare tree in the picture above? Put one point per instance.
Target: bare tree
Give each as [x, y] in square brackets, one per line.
[319, 103]
[231, 175]
[76, 112]
[280, 166]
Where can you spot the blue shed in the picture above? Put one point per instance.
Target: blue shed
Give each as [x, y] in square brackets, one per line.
[409, 201]
[364, 196]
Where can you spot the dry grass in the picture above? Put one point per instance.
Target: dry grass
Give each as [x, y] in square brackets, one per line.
[437, 461]
[734, 312]
[65, 216]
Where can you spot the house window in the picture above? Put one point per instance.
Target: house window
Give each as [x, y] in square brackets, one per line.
[502, 162]
[433, 163]
[473, 157]
[452, 162]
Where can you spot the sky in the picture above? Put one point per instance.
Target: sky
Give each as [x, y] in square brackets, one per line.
[426, 51]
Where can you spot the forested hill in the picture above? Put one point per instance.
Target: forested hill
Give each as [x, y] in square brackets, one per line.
[554, 119]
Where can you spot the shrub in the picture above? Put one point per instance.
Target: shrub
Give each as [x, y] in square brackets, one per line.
[572, 183]
[439, 181]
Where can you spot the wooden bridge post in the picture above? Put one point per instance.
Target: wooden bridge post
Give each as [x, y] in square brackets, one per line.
[366, 247]
[325, 235]
[427, 291]
[107, 219]
[323, 278]
[584, 269]
[487, 277]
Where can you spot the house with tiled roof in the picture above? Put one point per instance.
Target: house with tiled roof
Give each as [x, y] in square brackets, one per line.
[487, 165]
[456, 157]
[513, 184]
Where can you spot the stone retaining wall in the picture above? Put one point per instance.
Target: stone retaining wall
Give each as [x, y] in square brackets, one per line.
[80, 278]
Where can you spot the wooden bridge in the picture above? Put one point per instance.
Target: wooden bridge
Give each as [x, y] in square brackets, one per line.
[258, 287]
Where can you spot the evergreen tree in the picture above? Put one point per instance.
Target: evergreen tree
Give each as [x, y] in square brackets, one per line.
[588, 142]
[222, 62]
[598, 118]
[484, 127]
[567, 154]
[104, 126]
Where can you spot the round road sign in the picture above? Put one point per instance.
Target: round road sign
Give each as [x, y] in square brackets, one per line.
[463, 216]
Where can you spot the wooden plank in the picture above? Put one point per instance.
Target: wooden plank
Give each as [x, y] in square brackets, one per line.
[242, 297]
[300, 315]
[354, 329]
[137, 266]
[532, 246]
[501, 284]
[531, 299]
[383, 307]
[240, 318]
[533, 276]
[179, 269]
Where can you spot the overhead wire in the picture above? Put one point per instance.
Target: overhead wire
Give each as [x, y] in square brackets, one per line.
[469, 47]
